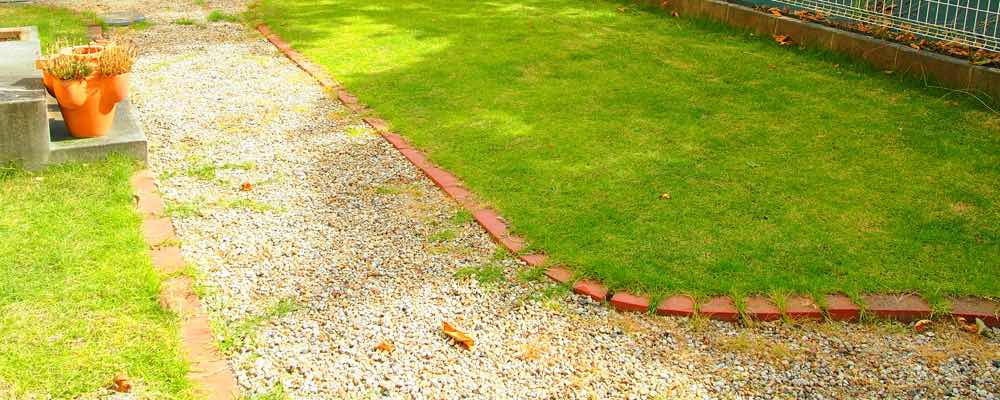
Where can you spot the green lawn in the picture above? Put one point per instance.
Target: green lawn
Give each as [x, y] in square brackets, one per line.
[53, 23]
[78, 296]
[788, 170]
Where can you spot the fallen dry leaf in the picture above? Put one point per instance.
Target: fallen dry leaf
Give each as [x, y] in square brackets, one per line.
[665, 196]
[386, 347]
[530, 352]
[775, 11]
[457, 335]
[783, 40]
[246, 186]
[675, 14]
[972, 328]
[121, 383]
[922, 325]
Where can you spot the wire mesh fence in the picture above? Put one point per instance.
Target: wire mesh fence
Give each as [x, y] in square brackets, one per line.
[972, 23]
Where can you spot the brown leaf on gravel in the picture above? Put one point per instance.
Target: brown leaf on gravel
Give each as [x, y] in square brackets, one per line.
[121, 383]
[246, 187]
[970, 327]
[783, 40]
[386, 347]
[457, 335]
[922, 325]
[530, 352]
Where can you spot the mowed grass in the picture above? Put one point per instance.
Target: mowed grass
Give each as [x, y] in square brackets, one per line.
[78, 296]
[788, 170]
[53, 23]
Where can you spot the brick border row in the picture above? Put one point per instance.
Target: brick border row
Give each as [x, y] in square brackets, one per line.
[837, 307]
[209, 370]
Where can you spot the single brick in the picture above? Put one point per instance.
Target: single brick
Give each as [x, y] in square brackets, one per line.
[971, 308]
[903, 308]
[346, 97]
[150, 205]
[490, 221]
[513, 243]
[396, 141]
[167, 260]
[720, 308]
[630, 302]
[677, 305]
[377, 123]
[841, 308]
[459, 193]
[591, 288]
[441, 177]
[157, 231]
[762, 309]
[534, 260]
[802, 307]
[143, 183]
[561, 275]
[416, 158]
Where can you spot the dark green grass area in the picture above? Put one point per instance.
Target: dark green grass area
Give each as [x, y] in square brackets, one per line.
[78, 296]
[53, 23]
[788, 170]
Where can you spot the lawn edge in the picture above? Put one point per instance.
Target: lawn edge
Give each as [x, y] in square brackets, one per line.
[209, 371]
[901, 307]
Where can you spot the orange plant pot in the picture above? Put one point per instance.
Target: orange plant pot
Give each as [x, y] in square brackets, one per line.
[88, 105]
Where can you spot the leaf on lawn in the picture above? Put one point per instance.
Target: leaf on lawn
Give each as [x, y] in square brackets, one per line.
[245, 187]
[386, 347]
[922, 325]
[665, 196]
[457, 335]
[783, 40]
[675, 14]
[121, 383]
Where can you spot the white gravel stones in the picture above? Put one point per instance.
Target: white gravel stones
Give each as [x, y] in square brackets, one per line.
[340, 227]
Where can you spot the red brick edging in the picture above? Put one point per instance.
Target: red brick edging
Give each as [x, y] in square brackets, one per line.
[837, 307]
[208, 369]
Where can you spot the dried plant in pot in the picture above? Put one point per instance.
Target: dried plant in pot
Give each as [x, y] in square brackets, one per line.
[88, 82]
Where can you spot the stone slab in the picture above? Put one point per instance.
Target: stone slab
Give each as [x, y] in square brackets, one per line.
[126, 137]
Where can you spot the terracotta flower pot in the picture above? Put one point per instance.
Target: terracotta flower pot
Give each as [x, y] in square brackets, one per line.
[85, 105]
[116, 87]
[88, 105]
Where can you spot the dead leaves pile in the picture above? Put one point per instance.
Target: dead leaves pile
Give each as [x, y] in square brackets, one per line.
[457, 335]
[890, 31]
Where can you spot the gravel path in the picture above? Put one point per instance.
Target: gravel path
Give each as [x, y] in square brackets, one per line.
[339, 245]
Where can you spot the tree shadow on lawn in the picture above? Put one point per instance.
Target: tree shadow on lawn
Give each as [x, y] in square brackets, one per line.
[788, 170]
